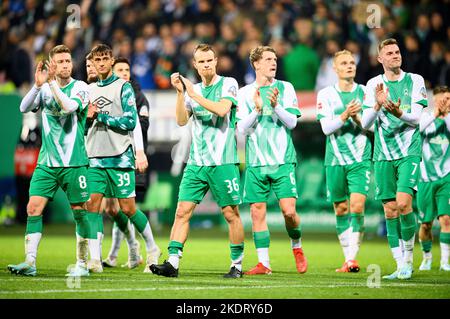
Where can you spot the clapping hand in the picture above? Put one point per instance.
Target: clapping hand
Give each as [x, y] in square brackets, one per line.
[257, 99]
[41, 75]
[380, 96]
[393, 108]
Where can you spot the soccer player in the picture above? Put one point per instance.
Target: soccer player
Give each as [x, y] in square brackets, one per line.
[213, 160]
[111, 205]
[433, 194]
[62, 159]
[110, 149]
[348, 155]
[268, 111]
[121, 68]
[394, 102]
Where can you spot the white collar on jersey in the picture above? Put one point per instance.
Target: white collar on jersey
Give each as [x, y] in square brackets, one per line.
[355, 85]
[402, 75]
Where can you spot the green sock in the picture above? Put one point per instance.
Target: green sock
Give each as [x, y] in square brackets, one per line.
[408, 226]
[83, 227]
[342, 223]
[426, 245]
[100, 223]
[121, 220]
[294, 233]
[357, 222]
[393, 231]
[93, 223]
[34, 224]
[175, 247]
[444, 238]
[139, 220]
[261, 239]
[236, 251]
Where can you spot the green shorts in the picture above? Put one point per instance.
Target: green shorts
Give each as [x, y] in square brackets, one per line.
[433, 199]
[112, 182]
[259, 181]
[343, 180]
[396, 176]
[223, 180]
[72, 180]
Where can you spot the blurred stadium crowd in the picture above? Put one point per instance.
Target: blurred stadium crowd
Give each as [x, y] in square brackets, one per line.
[158, 37]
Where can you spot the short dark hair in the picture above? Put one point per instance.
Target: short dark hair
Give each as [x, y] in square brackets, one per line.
[101, 49]
[89, 56]
[121, 59]
[59, 49]
[386, 42]
[441, 89]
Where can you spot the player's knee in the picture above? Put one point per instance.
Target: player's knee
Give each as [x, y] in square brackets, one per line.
[289, 213]
[444, 220]
[390, 209]
[257, 212]
[34, 209]
[357, 207]
[426, 227]
[111, 211]
[182, 213]
[341, 208]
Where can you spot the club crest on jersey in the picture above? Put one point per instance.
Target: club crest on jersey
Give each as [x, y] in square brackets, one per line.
[319, 106]
[423, 92]
[405, 92]
[101, 102]
[233, 91]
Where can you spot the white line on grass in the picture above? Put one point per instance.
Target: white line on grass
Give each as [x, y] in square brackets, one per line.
[199, 288]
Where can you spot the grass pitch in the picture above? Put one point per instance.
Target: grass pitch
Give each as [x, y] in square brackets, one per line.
[205, 260]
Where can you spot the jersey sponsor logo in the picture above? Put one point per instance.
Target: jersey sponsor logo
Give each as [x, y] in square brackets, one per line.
[405, 107]
[101, 102]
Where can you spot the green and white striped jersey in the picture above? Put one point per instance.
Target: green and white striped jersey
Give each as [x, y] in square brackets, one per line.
[395, 139]
[213, 137]
[62, 132]
[270, 142]
[350, 143]
[435, 162]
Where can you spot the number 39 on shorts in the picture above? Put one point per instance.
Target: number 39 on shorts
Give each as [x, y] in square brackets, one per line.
[124, 179]
[232, 185]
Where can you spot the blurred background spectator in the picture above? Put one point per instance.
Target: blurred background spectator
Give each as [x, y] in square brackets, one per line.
[158, 36]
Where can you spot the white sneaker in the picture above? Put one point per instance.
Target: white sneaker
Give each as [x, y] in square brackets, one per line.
[426, 264]
[95, 266]
[445, 267]
[78, 271]
[134, 256]
[152, 258]
[110, 262]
